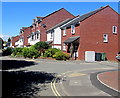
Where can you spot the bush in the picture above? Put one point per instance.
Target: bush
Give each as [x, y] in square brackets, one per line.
[25, 52]
[30, 52]
[61, 56]
[50, 52]
[17, 51]
[7, 51]
[41, 46]
[33, 53]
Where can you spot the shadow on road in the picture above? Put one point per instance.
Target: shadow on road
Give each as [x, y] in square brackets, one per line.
[23, 83]
[14, 64]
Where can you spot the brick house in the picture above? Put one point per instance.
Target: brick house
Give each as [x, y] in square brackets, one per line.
[14, 40]
[37, 31]
[40, 25]
[54, 34]
[95, 31]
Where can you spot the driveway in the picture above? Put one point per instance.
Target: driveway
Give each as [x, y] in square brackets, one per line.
[73, 77]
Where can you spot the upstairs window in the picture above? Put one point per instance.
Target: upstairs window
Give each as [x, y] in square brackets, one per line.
[114, 29]
[32, 37]
[105, 38]
[73, 29]
[64, 32]
[37, 36]
[51, 35]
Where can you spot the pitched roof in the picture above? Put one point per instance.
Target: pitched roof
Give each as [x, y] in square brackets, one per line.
[57, 11]
[61, 23]
[83, 17]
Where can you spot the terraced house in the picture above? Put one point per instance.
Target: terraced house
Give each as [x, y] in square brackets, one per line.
[37, 31]
[96, 32]
[93, 35]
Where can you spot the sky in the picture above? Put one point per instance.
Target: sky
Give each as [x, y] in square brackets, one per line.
[20, 14]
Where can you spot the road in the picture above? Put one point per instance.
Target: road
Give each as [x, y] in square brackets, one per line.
[75, 76]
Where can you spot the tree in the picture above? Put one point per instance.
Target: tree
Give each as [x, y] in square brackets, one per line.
[9, 40]
[41, 46]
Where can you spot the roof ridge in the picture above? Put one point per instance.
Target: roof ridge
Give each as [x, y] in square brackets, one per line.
[55, 12]
[101, 8]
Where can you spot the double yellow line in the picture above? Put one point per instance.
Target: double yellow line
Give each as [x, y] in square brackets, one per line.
[53, 87]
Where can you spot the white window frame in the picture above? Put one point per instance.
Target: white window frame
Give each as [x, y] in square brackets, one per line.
[64, 47]
[73, 29]
[105, 38]
[64, 32]
[114, 29]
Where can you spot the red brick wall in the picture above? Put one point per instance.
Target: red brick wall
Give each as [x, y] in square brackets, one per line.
[27, 32]
[14, 39]
[52, 20]
[91, 32]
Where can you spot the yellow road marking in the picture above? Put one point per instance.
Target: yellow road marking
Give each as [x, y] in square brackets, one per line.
[30, 60]
[54, 81]
[76, 74]
[53, 87]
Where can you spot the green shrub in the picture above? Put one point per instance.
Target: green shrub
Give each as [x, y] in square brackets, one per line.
[67, 56]
[7, 51]
[17, 51]
[25, 52]
[50, 52]
[33, 53]
[41, 47]
[30, 52]
[61, 56]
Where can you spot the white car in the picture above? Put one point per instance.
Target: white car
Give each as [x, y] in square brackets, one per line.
[118, 56]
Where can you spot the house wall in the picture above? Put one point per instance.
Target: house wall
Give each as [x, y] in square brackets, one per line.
[14, 39]
[49, 38]
[69, 34]
[91, 32]
[19, 43]
[56, 38]
[34, 41]
[53, 19]
[27, 32]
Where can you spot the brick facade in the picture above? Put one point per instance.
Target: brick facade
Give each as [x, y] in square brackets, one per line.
[91, 32]
[14, 39]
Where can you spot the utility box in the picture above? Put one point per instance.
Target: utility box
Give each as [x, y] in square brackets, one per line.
[89, 56]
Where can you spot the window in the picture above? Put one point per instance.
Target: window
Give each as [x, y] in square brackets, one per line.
[64, 32]
[105, 38]
[32, 37]
[72, 29]
[51, 35]
[37, 36]
[64, 47]
[114, 29]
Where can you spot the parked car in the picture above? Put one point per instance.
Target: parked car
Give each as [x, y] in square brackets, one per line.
[118, 56]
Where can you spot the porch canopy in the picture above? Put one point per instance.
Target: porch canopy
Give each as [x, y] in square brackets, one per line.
[72, 40]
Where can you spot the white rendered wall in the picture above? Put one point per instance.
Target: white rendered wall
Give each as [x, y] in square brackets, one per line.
[19, 43]
[57, 36]
[58, 47]
[49, 36]
[32, 42]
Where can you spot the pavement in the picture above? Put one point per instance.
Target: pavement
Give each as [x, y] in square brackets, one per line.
[110, 79]
[77, 78]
